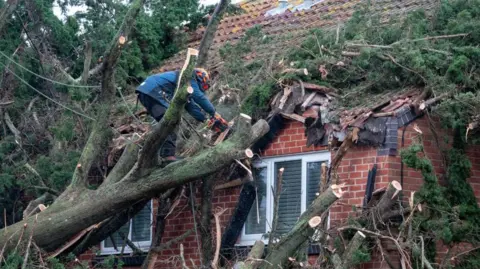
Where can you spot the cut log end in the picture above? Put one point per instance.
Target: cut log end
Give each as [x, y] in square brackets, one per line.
[422, 106]
[245, 116]
[305, 71]
[193, 52]
[397, 185]
[315, 221]
[249, 153]
[337, 190]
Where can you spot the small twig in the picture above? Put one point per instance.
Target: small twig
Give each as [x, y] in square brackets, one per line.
[463, 253]
[182, 257]
[404, 67]
[6, 103]
[21, 235]
[25, 260]
[423, 251]
[218, 237]
[5, 220]
[338, 34]
[39, 254]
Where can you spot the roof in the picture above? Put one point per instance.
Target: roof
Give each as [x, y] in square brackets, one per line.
[317, 107]
[323, 14]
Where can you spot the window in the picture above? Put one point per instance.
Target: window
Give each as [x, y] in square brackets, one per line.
[138, 230]
[300, 183]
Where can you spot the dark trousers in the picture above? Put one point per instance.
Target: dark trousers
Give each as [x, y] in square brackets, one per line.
[156, 110]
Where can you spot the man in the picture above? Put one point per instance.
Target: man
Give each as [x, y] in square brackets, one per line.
[156, 92]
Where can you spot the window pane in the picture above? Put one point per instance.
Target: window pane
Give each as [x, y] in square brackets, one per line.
[291, 195]
[314, 172]
[141, 224]
[117, 238]
[255, 225]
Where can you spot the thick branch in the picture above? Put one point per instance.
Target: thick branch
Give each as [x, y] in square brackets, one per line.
[276, 193]
[300, 233]
[100, 135]
[205, 221]
[87, 62]
[172, 117]
[209, 34]
[389, 198]
[79, 211]
[347, 260]
[106, 229]
[253, 258]
[124, 164]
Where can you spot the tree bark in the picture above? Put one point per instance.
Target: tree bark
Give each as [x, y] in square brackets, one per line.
[6, 12]
[100, 135]
[206, 222]
[346, 261]
[209, 35]
[164, 205]
[60, 222]
[300, 233]
[96, 236]
[253, 258]
[87, 62]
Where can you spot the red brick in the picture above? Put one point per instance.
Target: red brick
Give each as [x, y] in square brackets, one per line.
[297, 137]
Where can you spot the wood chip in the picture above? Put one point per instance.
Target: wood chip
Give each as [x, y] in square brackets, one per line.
[293, 117]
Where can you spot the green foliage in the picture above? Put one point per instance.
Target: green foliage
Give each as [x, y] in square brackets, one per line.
[453, 214]
[361, 255]
[111, 262]
[256, 104]
[58, 169]
[442, 65]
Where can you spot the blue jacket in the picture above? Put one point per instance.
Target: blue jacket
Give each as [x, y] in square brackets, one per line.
[161, 87]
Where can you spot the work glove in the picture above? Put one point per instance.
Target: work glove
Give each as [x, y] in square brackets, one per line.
[217, 123]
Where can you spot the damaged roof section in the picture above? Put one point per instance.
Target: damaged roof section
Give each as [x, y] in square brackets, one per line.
[326, 121]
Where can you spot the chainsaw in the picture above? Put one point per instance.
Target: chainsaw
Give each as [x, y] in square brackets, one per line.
[217, 123]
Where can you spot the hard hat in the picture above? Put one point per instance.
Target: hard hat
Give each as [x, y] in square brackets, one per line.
[203, 79]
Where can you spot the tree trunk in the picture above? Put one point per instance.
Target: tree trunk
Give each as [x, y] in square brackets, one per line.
[209, 34]
[206, 222]
[78, 208]
[302, 230]
[64, 219]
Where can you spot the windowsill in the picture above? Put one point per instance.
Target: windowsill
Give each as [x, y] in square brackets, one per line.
[127, 250]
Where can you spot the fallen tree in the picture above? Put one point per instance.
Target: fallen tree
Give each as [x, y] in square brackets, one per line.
[79, 208]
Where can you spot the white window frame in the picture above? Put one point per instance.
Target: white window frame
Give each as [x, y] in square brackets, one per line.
[143, 245]
[269, 163]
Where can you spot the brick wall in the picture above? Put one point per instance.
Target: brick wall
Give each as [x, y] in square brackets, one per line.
[353, 171]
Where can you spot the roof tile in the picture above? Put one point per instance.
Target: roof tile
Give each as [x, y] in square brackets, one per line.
[324, 14]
